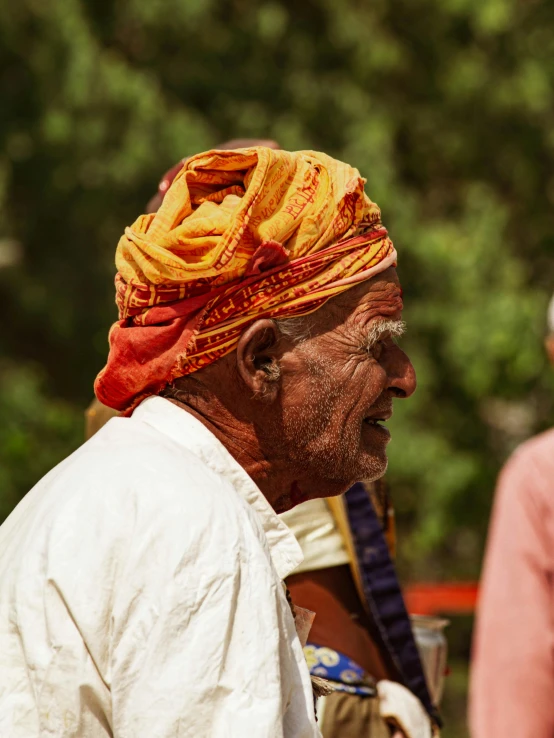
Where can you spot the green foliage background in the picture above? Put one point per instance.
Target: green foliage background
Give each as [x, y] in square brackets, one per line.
[446, 106]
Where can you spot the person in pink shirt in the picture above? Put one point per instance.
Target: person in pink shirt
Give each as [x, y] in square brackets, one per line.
[512, 676]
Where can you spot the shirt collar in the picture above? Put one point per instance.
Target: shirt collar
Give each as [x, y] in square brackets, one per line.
[189, 432]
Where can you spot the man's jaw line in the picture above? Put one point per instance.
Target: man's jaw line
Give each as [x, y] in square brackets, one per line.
[377, 414]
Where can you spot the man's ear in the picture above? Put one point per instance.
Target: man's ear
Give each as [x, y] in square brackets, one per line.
[257, 358]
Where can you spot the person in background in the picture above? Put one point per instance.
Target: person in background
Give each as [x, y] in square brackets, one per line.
[512, 666]
[254, 365]
[361, 638]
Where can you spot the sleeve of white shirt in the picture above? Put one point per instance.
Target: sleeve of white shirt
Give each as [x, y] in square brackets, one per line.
[198, 624]
[201, 640]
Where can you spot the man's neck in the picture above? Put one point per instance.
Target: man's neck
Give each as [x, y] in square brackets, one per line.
[242, 442]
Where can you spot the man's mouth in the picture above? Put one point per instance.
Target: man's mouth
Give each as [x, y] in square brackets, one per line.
[377, 422]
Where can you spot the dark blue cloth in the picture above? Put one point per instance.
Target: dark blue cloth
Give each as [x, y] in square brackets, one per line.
[384, 596]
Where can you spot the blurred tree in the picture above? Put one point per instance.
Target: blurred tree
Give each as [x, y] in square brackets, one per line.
[445, 105]
[36, 431]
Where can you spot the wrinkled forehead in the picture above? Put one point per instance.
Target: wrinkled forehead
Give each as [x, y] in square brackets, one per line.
[359, 307]
[378, 298]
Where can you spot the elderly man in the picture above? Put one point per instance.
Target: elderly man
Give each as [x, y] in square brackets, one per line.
[255, 362]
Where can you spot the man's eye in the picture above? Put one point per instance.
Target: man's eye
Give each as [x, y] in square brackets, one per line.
[390, 340]
[377, 346]
[375, 349]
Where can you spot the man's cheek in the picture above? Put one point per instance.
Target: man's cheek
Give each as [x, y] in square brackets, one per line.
[345, 377]
[360, 382]
[296, 387]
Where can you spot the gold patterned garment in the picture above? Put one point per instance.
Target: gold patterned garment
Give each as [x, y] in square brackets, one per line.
[240, 235]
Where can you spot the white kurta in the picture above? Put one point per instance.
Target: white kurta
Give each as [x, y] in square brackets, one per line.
[141, 596]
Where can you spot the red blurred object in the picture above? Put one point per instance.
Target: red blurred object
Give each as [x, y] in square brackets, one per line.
[443, 598]
[155, 202]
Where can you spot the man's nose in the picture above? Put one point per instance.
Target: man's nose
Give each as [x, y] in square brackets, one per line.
[402, 376]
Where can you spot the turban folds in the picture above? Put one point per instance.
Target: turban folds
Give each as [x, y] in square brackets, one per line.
[240, 235]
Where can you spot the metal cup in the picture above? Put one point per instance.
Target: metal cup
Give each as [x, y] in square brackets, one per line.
[432, 645]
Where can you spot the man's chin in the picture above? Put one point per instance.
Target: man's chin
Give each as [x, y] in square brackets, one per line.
[323, 477]
[367, 468]
[372, 467]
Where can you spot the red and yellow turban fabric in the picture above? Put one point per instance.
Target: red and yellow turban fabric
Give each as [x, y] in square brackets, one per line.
[240, 235]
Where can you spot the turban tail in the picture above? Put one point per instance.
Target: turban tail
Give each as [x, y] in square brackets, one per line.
[240, 235]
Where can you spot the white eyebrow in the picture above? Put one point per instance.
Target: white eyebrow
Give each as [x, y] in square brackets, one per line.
[394, 328]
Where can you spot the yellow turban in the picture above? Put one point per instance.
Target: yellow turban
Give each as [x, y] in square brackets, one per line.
[240, 235]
